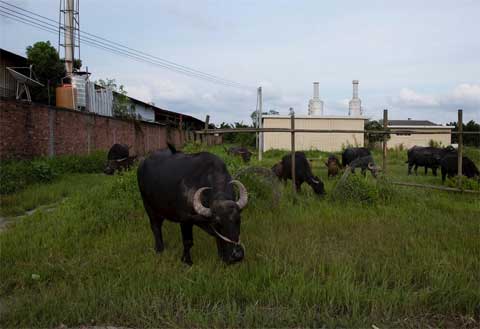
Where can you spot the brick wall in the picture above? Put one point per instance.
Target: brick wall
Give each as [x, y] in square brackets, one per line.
[30, 130]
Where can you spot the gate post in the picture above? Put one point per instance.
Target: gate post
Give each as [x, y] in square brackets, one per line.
[460, 147]
[292, 128]
[384, 154]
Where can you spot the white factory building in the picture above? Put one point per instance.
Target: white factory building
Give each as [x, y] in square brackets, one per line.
[316, 119]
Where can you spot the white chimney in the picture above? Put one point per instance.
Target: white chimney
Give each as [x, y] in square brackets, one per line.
[355, 105]
[315, 105]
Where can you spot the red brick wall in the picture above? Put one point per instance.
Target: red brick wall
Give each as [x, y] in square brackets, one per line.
[26, 129]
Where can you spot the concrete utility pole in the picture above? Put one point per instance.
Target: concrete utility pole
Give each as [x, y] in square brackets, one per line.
[260, 124]
[69, 36]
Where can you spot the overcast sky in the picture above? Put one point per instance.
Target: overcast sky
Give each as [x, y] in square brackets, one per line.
[419, 59]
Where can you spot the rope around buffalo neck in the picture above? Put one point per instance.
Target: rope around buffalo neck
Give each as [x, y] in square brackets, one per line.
[224, 238]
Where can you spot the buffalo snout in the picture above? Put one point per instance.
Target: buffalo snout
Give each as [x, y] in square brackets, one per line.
[237, 255]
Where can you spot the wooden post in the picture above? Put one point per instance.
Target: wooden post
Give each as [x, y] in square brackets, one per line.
[460, 147]
[205, 135]
[292, 127]
[384, 155]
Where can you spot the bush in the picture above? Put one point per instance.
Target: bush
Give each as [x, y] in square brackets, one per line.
[42, 172]
[17, 174]
[356, 188]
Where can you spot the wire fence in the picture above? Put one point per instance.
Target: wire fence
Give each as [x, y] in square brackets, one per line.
[385, 132]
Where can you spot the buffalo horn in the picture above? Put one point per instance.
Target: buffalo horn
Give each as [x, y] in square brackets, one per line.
[371, 166]
[243, 199]
[197, 203]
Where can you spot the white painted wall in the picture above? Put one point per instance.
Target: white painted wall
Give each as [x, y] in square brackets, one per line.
[329, 142]
[420, 140]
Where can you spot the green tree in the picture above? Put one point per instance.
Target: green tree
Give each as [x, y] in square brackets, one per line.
[48, 67]
[372, 139]
[122, 106]
[471, 140]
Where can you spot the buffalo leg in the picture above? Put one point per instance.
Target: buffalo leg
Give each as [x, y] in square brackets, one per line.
[426, 170]
[156, 225]
[298, 186]
[415, 169]
[434, 171]
[187, 237]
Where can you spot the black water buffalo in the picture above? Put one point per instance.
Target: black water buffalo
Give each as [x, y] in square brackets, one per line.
[303, 172]
[449, 167]
[118, 158]
[428, 157]
[240, 151]
[193, 189]
[353, 153]
[333, 165]
[364, 163]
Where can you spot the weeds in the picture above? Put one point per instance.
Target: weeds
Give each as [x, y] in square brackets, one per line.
[402, 258]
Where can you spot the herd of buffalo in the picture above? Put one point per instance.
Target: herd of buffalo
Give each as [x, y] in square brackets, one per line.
[197, 189]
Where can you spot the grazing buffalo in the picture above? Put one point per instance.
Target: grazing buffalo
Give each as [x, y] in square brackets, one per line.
[364, 163]
[240, 151]
[118, 159]
[333, 165]
[428, 157]
[193, 189]
[303, 172]
[353, 153]
[449, 167]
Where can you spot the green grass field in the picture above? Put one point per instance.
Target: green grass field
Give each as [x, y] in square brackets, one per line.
[410, 260]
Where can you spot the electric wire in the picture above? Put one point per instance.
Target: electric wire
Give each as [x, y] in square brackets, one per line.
[117, 48]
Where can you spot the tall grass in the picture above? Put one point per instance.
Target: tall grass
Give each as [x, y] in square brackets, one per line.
[408, 261]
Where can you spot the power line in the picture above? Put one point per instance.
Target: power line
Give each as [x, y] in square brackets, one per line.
[124, 50]
[95, 44]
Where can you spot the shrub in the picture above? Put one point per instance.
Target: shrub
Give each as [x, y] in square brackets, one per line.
[17, 174]
[433, 143]
[356, 188]
[41, 172]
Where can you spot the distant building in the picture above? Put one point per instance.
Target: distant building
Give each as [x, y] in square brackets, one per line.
[408, 140]
[329, 142]
[98, 100]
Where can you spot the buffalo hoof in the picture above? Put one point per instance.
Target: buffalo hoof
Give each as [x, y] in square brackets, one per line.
[187, 260]
[159, 249]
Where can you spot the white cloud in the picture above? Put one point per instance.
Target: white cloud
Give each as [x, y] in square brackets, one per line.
[467, 93]
[464, 96]
[409, 97]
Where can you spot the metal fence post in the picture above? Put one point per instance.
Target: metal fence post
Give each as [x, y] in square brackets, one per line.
[292, 127]
[460, 147]
[205, 135]
[385, 127]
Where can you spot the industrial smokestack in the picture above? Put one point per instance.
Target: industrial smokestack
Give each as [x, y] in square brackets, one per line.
[355, 89]
[355, 105]
[315, 105]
